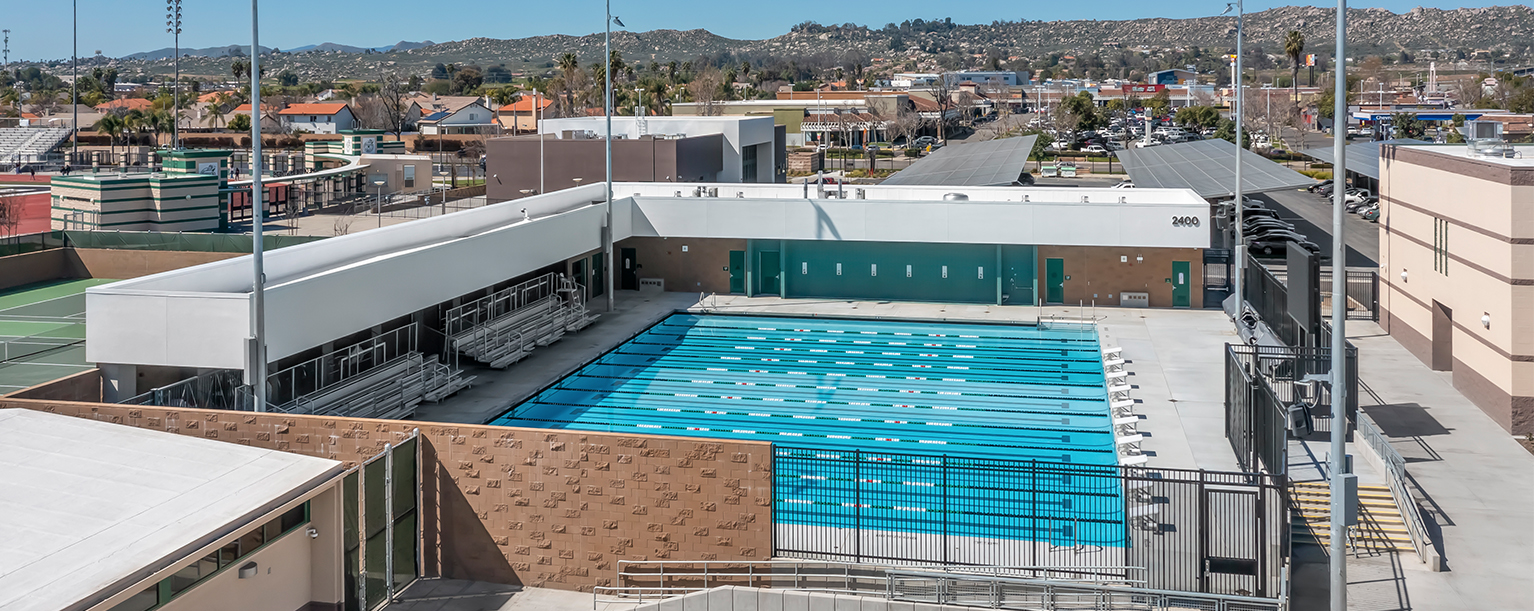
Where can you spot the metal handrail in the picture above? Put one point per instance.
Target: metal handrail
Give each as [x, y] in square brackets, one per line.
[1393, 465]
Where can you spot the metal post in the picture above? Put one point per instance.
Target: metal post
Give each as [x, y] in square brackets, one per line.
[607, 110]
[256, 374]
[74, 92]
[388, 499]
[1339, 382]
[857, 505]
[1237, 201]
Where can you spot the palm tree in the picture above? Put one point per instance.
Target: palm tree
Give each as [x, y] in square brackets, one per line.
[1294, 47]
[112, 126]
[568, 65]
[216, 110]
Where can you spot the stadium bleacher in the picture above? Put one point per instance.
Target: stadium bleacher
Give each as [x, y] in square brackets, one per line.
[30, 144]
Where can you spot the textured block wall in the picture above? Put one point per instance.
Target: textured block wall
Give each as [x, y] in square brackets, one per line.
[536, 507]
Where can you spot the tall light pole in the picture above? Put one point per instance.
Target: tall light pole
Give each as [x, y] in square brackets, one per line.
[607, 110]
[173, 27]
[1238, 274]
[74, 85]
[255, 370]
[1339, 567]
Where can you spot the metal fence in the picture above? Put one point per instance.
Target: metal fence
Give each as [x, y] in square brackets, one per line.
[1283, 370]
[1255, 420]
[146, 240]
[1217, 262]
[335, 367]
[1392, 465]
[1269, 297]
[1192, 531]
[1363, 287]
[217, 389]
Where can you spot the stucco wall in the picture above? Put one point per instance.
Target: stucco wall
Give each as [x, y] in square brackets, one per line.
[284, 578]
[703, 268]
[533, 507]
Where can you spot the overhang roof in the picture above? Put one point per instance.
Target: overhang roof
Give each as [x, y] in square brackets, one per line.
[1208, 167]
[1362, 158]
[982, 164]
[88, 506]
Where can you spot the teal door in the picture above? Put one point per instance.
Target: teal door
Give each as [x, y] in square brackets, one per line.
[737, 271]
[1182, 285]
[770, 269]
[1054, 280]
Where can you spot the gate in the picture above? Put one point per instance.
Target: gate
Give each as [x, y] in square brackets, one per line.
[1216, 276]
[1232, 533]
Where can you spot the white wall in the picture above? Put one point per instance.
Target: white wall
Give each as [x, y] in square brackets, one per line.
[317, 292]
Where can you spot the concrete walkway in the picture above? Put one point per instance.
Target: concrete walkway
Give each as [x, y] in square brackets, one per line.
[1476, 480]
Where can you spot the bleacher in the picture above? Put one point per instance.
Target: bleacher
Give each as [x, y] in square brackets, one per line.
[30, 144]
[383, 377]
[502, 328]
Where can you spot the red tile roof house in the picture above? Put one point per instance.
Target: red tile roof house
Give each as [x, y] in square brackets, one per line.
[327, 118]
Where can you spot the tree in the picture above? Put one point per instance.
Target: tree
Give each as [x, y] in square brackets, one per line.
[1294, 47]
[1199, 117]
[286, 78]
[705, 91]
[1160, 103]
[396, 109]
[11, 209]
[240, 123]
[112, 126]
[466, 80]
[1407, 125]
[1227, 131]
[216, 110]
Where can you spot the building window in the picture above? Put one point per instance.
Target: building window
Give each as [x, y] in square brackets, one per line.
[748, 164]
[189, 576]
[410, 177]
[1441, 246]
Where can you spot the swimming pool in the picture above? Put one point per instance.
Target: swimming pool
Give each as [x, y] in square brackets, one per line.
[865, 411]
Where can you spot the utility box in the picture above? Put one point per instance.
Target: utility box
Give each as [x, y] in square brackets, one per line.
[1134, 299]
[1350, 499]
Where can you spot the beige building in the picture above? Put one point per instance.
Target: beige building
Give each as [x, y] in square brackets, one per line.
[1457, 270]
[105, 517]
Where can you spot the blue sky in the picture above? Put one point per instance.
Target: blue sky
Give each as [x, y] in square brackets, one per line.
[40, 30]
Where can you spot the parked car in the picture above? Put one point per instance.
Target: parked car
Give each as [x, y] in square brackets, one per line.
[1359, 205]
[1356, 195]
[1278, 241]
[1372, 214]
[1127, 184]
[1096, 149]
[1314, 187]
[1262, 223]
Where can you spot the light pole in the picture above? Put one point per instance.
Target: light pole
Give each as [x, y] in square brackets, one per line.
[1338, 559]
[74, 92]
[1238, 274]
[173, 26]
[378, 206]
[255, 372]
[607, 111]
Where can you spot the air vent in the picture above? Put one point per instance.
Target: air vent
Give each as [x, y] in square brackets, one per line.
[1484, 139]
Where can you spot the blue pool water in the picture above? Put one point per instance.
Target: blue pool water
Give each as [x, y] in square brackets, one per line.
[866, 415]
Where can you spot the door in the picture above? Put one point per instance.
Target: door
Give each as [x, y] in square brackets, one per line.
[629, 270]
[1443, 337]
[771, 271]
[1054, 280]
[1182, 285]
[737, 271]
[598, 284]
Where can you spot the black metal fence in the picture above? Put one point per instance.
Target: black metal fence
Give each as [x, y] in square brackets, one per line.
[1217, 287]
[1255, 419]
[1363, 289]
[1194, 531]
[1269, 297]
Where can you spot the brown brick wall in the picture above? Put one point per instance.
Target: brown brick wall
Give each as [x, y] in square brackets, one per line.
[534, 507]
[83, 386]
[703, 268]
[1096, 272]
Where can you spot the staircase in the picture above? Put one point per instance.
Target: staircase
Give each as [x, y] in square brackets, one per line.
[1380, 526]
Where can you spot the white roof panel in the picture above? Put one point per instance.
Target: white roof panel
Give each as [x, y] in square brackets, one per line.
[1208, 167]
[993, 163]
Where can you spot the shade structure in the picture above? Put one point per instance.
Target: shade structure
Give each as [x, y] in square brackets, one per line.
[982, 164]
[1363, 158]
[1208, 167]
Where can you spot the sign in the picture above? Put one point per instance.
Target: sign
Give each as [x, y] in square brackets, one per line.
[207, 168]
[369, 146]
[1310, 59]
[1146, 88]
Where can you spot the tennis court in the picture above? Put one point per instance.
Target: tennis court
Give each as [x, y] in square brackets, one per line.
[42, 332]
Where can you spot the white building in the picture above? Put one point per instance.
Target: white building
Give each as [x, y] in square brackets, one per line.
[749, 141]
[981, 77]
[324, 118]
[471, 118]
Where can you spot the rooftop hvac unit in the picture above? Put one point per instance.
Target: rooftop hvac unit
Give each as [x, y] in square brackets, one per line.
[1484, 139]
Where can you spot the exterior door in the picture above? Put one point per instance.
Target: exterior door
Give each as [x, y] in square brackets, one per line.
[771, 271]
[1443, 337]
[737, 271]
[1182, 285]
[629, 270]
[1054, 280]
[598, 284]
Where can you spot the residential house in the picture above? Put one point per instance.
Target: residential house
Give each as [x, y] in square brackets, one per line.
[472, 118]
[320, 118]
[428, 104]
[522, 115]
[125, 104]
[269, 120]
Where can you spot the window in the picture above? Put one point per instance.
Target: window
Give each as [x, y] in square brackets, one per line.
[229, 555]
[313, 119]
[748, 164]
[1441, 246]
[410, 177]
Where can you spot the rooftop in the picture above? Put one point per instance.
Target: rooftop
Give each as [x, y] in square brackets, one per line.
[1524, 160]
[91, 505]
[326, 109]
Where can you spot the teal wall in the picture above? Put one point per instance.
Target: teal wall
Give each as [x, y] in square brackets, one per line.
[809, 270]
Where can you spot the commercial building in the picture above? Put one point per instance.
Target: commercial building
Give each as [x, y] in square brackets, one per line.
[661, 149]
[1457, 270]
[981, 77]
[105, 517]
[188, 196]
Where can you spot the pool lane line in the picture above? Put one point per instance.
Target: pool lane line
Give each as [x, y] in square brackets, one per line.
[708, 412]
[1064, 381]
[786, 373]
[1109, 490]
[1073, 355]
[963, 444]
[1071, 338]
[892, 383]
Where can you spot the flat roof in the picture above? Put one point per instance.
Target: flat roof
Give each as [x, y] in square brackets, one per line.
[982, 164]
[1524, 160]
[1208, 167]
[1362, 158]
[88, 508]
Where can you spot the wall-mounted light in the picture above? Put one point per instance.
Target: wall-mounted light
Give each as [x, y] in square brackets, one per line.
[1403, 275]
[248, 570]
[314, 533]
[1486, 319]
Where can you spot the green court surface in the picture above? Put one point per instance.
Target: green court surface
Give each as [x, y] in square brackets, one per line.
[42, 332]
